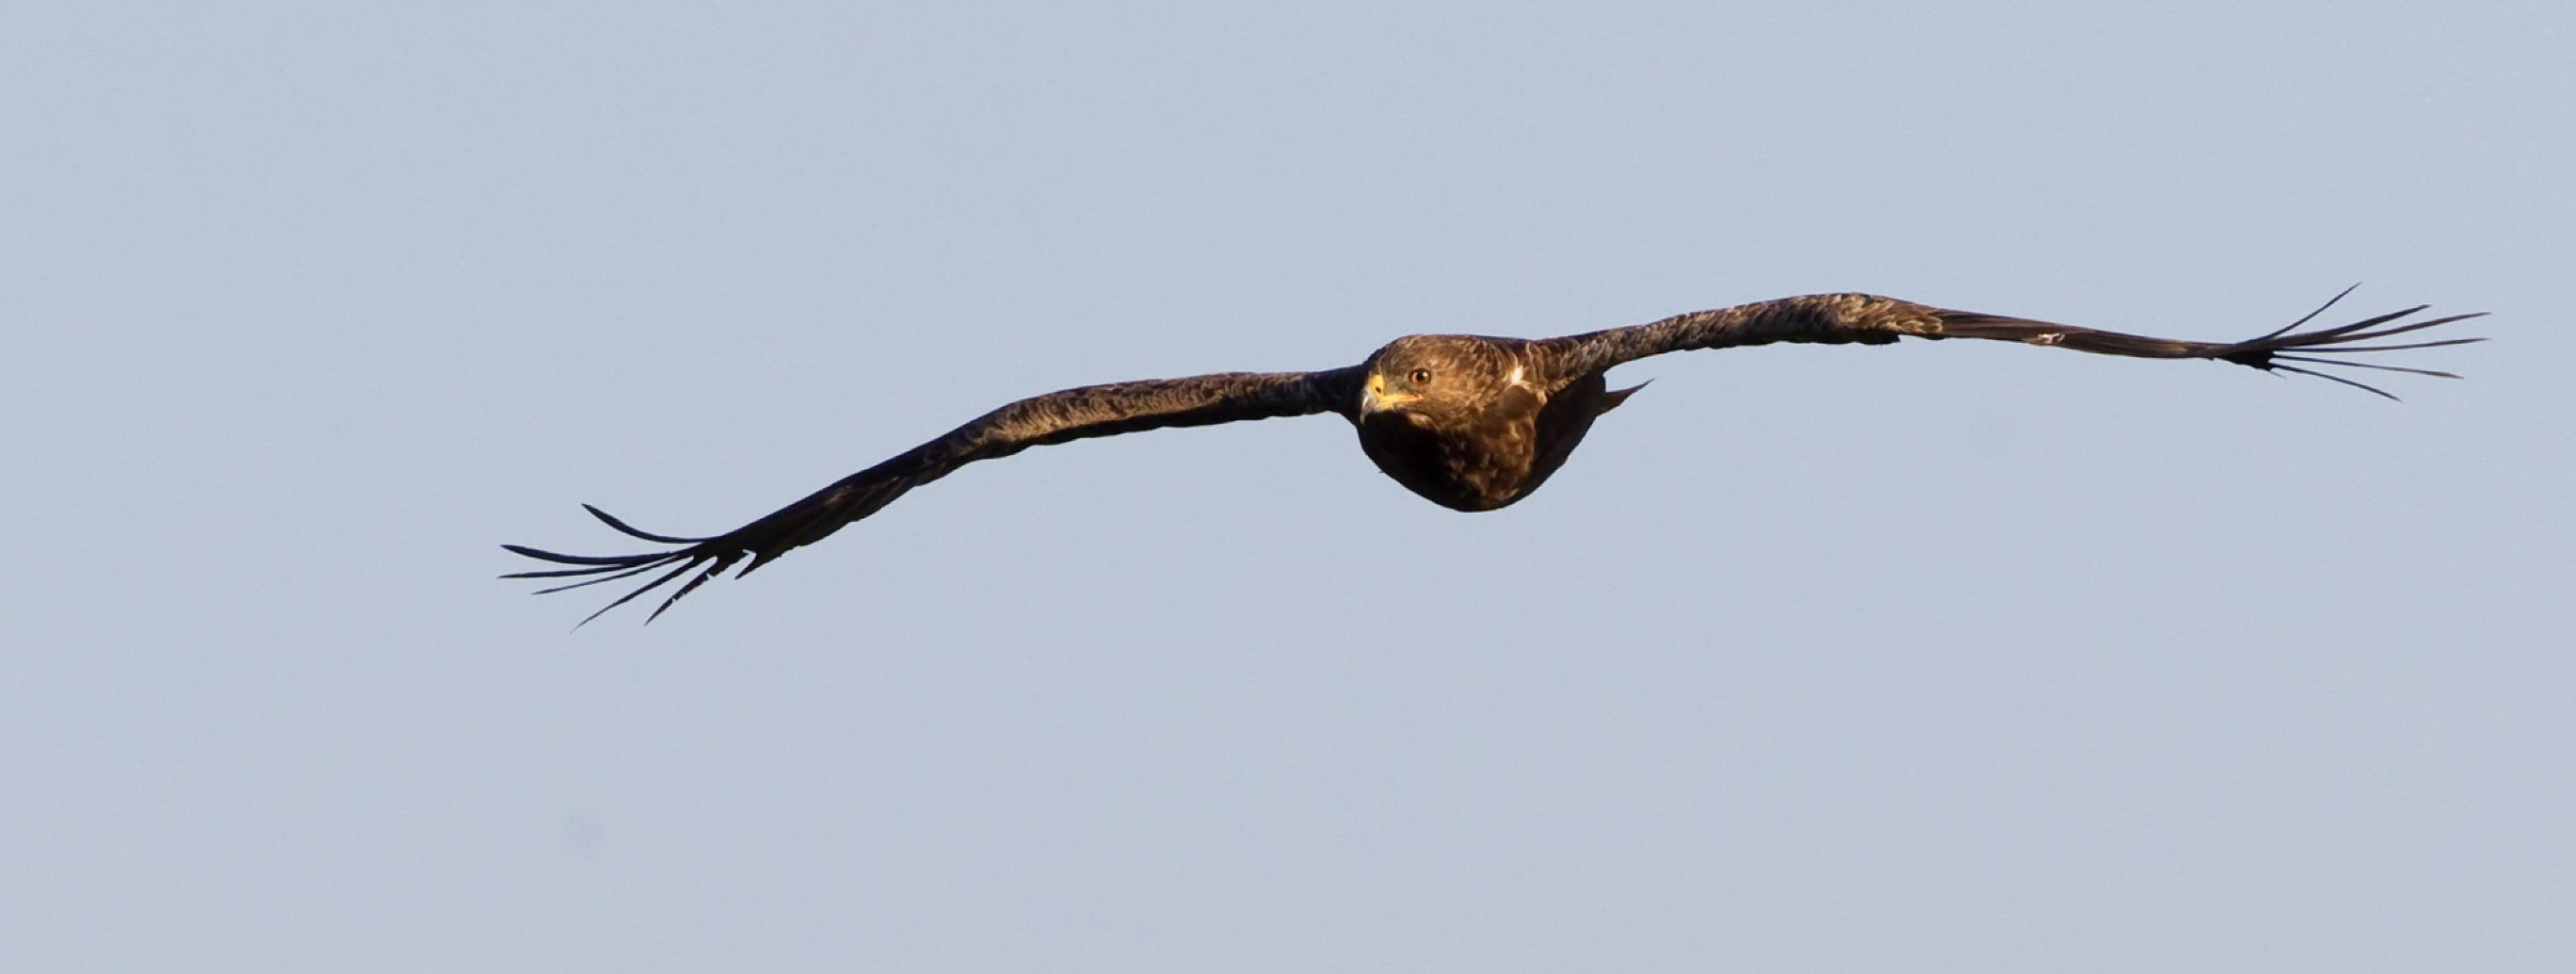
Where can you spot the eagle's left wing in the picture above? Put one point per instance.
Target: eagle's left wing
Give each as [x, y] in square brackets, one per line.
[1836, 319]
[1103, 410]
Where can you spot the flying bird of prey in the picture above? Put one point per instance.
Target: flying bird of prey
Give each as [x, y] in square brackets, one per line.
[1471, 422]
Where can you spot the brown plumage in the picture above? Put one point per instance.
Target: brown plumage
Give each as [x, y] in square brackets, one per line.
[1470, 422]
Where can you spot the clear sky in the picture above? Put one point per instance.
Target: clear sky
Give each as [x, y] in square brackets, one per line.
[1930, 657]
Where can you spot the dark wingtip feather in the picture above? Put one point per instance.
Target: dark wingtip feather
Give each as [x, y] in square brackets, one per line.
[570, 572]
[611, 568]
[586, 583]
[589, 570]
[691, 586]
[2362, 365]
[2273, 352]
[2392, 348]
[2373, 390]
[630, 596]
[629, 530]
[2311, 316]
[2347, 335]
[564, 559]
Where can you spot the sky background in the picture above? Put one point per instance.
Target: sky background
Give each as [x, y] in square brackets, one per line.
[1960, 657]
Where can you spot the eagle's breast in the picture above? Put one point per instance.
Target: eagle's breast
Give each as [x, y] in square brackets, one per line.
[1489, 458]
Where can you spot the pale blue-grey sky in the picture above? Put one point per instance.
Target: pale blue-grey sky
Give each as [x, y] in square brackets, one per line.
[1931, 657]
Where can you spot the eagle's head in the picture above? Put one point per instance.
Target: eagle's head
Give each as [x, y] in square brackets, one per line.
[1433, 379]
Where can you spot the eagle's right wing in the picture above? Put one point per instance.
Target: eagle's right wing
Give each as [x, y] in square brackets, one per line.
[1103, 410]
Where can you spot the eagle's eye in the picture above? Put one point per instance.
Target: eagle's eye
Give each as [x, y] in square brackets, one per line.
[1421, 377]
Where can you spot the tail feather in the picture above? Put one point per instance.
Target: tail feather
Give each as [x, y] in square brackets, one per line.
[1611, 400]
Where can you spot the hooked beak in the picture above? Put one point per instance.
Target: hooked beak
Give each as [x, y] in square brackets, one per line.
[1375, 398]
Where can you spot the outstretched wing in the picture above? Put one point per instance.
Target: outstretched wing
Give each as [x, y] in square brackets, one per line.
[1836, 319]
[1103, 410]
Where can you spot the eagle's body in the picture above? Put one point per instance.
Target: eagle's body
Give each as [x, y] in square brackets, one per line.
[1494, 421]
[1472, 423]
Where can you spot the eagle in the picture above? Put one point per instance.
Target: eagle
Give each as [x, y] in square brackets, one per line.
[1470, 422]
